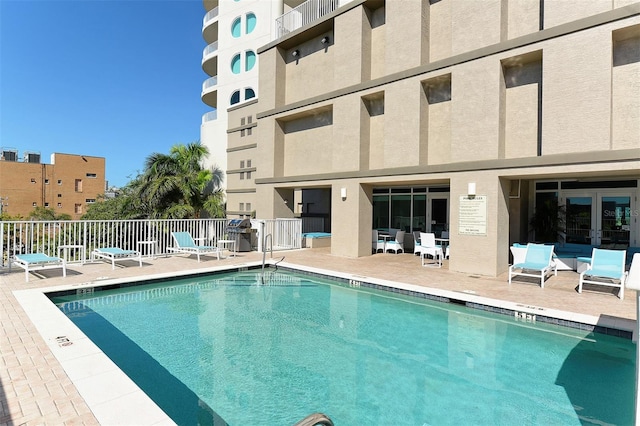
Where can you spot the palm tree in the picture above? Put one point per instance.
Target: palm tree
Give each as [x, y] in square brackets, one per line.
[176, 186]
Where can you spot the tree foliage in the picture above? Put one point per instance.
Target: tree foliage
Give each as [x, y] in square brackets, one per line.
[172, 186]
[47, 213]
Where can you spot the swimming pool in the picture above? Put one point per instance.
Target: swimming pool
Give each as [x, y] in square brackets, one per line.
[222, 347]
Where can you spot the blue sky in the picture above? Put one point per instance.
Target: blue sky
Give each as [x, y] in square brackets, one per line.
[105, 78]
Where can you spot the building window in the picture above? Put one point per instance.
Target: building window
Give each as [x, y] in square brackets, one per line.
[78, 185]
[235, 97]
[242, 133]
[59, 205]
[249, 175]
[249, 131]
[90, 200]
[251, 22]
[249, 60]
[59, 181]
[59, 195]
[241, 206]
[235, 64]
[242, 164]
[241, 175]
[46, 181]
[249, 93]
[34, 204]
[33, 180]
[46, 204]
[235, 28]
[248, 207]
[248, 163]
[78, 208]
[92, 175]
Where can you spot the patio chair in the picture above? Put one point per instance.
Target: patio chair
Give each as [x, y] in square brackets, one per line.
[397, 244]
[377, 243]
[116, 254]
[428, 247]
[607, 268]
[518, 251]
[538, 263]
[416, 242]
[186, 244]
[445, 235]
[38, 261]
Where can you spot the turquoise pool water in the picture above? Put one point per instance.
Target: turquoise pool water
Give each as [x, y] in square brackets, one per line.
[224, 350]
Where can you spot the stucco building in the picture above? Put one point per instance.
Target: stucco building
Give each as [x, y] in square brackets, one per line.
[457, 115]
[67, 185]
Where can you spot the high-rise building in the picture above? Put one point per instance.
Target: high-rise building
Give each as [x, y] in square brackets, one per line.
[233, 31]
[68, 185]
[473, 118]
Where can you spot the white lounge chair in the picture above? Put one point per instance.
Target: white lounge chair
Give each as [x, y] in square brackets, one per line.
[185, 244]
[116, 254]
[607, 268]
[397, 244]
[377, 243]
[428, 247]
[38, 261]
[538, 263]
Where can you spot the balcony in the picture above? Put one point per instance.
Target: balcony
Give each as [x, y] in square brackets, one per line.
[210, 26]
[210, 59]
[210, 116]
[305, 14]
[209, 93]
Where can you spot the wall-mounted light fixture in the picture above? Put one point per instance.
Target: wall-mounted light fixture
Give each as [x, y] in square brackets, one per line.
[295, 53]
[471, 189]
[343, 193]
[325, 40]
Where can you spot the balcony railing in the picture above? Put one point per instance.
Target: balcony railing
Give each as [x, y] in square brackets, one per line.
[210, 49]
[305, 14]
[210, 116]
[18, 237]
[210, 82]
[212, 14]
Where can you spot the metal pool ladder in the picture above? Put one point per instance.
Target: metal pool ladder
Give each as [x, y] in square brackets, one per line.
[315, 419]
[264, 248]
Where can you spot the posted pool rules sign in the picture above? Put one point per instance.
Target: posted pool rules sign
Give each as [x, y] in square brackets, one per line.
[472, 216]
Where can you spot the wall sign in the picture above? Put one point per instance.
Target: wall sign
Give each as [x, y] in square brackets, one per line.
[472, 217]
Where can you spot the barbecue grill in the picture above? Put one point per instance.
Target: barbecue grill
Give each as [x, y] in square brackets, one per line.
[240, 230]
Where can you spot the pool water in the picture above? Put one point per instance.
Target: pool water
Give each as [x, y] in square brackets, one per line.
[224, 349]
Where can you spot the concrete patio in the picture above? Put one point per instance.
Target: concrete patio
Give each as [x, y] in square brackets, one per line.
[36, 389]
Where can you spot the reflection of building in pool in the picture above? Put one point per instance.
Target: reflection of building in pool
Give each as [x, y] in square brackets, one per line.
[413, 114]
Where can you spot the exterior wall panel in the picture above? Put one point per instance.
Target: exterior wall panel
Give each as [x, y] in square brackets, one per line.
[577, 93]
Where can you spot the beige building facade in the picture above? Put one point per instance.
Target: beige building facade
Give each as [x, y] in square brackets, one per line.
[68, 185]
[456, 116]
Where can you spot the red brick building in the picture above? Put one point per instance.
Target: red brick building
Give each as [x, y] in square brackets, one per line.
[67, 185]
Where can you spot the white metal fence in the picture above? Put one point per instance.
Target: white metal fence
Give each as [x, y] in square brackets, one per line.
[17, 237]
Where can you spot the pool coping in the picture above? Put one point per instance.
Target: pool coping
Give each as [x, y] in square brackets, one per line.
[115, 399]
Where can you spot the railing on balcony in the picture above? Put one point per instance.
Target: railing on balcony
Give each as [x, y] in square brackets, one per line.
[305, 14]
[17, 237]
[210, 82]
[212, 48]
[213, 13]
[210, 116]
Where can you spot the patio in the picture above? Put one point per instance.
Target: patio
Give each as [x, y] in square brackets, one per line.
[36, 390]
